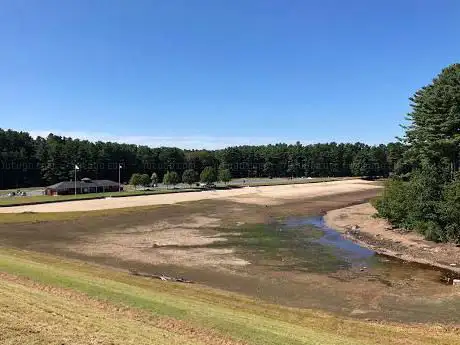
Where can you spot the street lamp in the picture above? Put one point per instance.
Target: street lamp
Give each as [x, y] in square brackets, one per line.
[75, 180]
[119, 177]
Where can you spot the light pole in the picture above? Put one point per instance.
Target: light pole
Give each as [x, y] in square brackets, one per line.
[119, 177]
[75, 179]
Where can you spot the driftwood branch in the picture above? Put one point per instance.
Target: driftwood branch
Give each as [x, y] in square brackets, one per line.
[162, 277]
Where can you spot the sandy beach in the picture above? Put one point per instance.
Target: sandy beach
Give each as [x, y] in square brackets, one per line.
[268, 195]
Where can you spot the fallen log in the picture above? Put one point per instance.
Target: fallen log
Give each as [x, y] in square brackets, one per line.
[162, 277]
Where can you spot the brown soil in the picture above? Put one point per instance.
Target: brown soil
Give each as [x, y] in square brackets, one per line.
[360, 224]
[164, 243]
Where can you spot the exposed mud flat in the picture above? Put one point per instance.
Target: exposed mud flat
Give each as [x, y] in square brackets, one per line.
[164, 243]
[359, 223]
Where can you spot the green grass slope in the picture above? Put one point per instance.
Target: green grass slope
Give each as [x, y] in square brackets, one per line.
[48, 300]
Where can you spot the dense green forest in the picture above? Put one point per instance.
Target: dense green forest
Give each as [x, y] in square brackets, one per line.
[425, 194]
[27, 161]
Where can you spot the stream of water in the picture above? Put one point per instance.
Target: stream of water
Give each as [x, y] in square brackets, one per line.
[363, 259]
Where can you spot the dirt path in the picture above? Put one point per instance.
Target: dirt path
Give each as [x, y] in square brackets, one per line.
[358, 223]
[267, 195]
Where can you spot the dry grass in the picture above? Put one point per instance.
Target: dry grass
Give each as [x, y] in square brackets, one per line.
[46, 300]
[69, 317]
[33, 217]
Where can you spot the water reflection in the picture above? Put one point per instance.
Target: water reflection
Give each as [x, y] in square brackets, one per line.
[361, 259]
[344, 248]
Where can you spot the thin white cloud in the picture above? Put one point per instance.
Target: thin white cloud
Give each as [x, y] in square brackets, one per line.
[189, 142]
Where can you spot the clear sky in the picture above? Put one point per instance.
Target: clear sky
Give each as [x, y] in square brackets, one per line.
[210, 73]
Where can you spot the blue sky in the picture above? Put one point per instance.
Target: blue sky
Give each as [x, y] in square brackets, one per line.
[211, 73]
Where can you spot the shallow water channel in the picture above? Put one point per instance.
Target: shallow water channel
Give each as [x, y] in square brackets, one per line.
[355, 258]
[300, 262]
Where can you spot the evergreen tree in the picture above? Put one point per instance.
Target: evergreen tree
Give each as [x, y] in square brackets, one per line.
[433, 133]
[427, 201]
[43, 161]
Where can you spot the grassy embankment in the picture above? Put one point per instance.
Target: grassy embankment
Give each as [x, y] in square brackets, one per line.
[46, 300]
[32, 217]
[43, 199]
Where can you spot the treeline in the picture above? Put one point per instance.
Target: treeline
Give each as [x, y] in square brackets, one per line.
[425, 194]
[27, 161]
